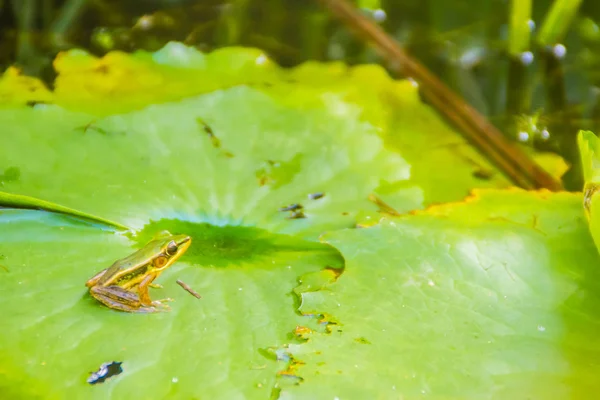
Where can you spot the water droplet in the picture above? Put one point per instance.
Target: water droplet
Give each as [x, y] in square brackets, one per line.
[523, 136]
[527, 57]
[545, 134]
[559, 50]
[379, 15]
[541, 328]
[145, 22]
[413, 82]
[531, 24]
[175, 379]
[240, 289]
[260, 60]
[431, 283]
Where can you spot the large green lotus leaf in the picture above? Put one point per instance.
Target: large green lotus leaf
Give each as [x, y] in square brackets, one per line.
[119, 82]
[234, 156]
[218, 167]
[442, 163]
[17, 89]
[496, 297]
[54, 334]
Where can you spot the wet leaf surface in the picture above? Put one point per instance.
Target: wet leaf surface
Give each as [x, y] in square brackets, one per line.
[496, 297]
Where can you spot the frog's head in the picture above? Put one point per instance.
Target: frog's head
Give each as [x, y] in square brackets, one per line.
[171, 248]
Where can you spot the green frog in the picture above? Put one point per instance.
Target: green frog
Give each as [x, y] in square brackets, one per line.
[124, 285]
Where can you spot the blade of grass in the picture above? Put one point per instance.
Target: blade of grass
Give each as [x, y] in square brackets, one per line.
[520, 15]
[557, 21]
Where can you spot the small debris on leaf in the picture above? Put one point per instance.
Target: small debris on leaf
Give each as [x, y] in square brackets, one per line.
[92, 127]
[209, 132]
[33, 103]
[105, 371]
[383, 207]
[362, 340]
[588, 192]
[297, 215]
[188, 289]
[483, 174]
[316, 196]
[292, 207]
[302, 332]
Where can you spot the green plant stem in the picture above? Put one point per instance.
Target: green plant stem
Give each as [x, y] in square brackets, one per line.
[557, 21]
[518, 91]
[25, 11]
[233, 23]
[67, 16]
[520, 14]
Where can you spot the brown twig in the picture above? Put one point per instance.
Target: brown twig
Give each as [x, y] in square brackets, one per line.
[188, 289]
[476, 128]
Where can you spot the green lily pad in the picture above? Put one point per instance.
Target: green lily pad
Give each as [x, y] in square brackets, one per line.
[496, 297]
[120, 82]
[219, 167]
[57, 334]
[444, 166]
[255, 163]
[162, 162]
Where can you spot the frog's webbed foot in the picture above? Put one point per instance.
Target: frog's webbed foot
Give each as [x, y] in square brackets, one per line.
[161, 304]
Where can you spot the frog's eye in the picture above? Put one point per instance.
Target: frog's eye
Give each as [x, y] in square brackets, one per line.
[172, 248]
[160, 262]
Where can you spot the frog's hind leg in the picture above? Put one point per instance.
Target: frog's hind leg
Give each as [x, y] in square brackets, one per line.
[93, 281]
[120, 299]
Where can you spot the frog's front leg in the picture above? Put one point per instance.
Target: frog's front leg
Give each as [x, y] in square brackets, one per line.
[145, 295]
[117, 298]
